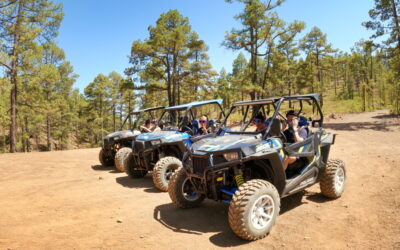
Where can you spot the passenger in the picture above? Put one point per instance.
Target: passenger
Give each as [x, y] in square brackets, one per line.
[293, 134]
[259, 121]
[149, 126]
[203, 126]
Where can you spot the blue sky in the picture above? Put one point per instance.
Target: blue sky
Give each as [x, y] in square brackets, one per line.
[97, 34]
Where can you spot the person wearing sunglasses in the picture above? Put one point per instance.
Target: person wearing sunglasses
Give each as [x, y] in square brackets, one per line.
[293, 133]
[203, 126]
[259, 122]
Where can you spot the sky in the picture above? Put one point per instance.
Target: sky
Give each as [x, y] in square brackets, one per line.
[97, 35]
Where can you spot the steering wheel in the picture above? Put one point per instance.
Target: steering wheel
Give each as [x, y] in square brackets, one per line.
[189, 129]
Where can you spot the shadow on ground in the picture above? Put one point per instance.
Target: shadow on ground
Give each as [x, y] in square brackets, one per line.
[102, 168]
[317, 197]
[146, 182]
[354, 126]
[208, 218]
[129, 182]
[111, 169]
[211, 217]
[386, 116]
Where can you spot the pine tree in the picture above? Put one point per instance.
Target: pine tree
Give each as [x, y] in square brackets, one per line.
[24, 23]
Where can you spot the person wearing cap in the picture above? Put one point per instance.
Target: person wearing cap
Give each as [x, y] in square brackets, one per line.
[293, 134]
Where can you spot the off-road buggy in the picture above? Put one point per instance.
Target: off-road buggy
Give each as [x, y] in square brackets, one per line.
[245, 169]
[161, 152]
[117, 145]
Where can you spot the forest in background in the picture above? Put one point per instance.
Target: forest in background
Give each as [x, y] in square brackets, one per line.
[41, 110]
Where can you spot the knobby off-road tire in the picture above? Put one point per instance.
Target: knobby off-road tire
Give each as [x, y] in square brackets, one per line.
[129, 166]
[120, 158]
[105, 161]
[333, 179]
[254, 209]
[181, 190]
[163, 171]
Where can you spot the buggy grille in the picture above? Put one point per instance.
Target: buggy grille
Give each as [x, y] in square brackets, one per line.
[200, 164]
[139, 146]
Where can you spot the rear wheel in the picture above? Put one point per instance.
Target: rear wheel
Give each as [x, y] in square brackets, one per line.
[182, 192]
[163, 170]
[120, 157]
[254, 209]
[131, 170]
[104, 159]
[333, 179]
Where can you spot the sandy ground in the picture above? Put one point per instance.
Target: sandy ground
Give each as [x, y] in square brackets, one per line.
[65, 200]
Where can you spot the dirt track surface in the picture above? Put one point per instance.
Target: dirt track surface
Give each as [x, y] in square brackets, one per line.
[65, 200]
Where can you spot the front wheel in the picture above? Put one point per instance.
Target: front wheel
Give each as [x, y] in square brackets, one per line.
[131, 170]
[163, 171]
[254, 209]
[333, 179]
[104, 159]
[120, 157]
[182, 192]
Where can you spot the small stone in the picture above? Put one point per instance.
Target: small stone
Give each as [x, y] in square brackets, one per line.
[391, 189]
[101, 178]
[306, 237]
[383, 175]
[346, 206]
[141, 236]
[119, 221]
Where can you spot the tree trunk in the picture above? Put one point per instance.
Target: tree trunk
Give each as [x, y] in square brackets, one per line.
[396, 22]
[13, 80]
[48, 132]
[114, 118]
[27, 142]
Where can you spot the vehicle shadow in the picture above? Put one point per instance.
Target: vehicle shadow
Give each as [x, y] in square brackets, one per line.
[146, 182]
[317, 197]
[128, 182]
[103, 168]
[290, 202]
[209, 217]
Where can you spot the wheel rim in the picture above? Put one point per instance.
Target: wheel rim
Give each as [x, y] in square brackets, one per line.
[262, 212]
[169, 173]
[339, 179]
[188, 192]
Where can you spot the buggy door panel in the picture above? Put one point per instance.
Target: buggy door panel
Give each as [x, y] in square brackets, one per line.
[307, 148]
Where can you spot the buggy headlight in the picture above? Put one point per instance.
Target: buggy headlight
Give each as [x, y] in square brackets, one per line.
[231, 156]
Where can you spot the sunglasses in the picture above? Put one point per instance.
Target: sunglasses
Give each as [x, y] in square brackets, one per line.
[203, 121]
[257, 120]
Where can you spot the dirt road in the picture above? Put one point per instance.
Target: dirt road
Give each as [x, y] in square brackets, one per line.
[64, 200]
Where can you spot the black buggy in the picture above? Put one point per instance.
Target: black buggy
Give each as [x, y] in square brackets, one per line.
[161, 151]
[245, 168]
[117, 145]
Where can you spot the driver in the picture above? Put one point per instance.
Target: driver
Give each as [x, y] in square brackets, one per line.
[149, 126]
[293, 134]
[259, 121]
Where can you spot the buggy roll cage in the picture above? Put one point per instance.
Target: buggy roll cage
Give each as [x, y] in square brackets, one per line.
[139, 112]
[276, 102]
[188, 109]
